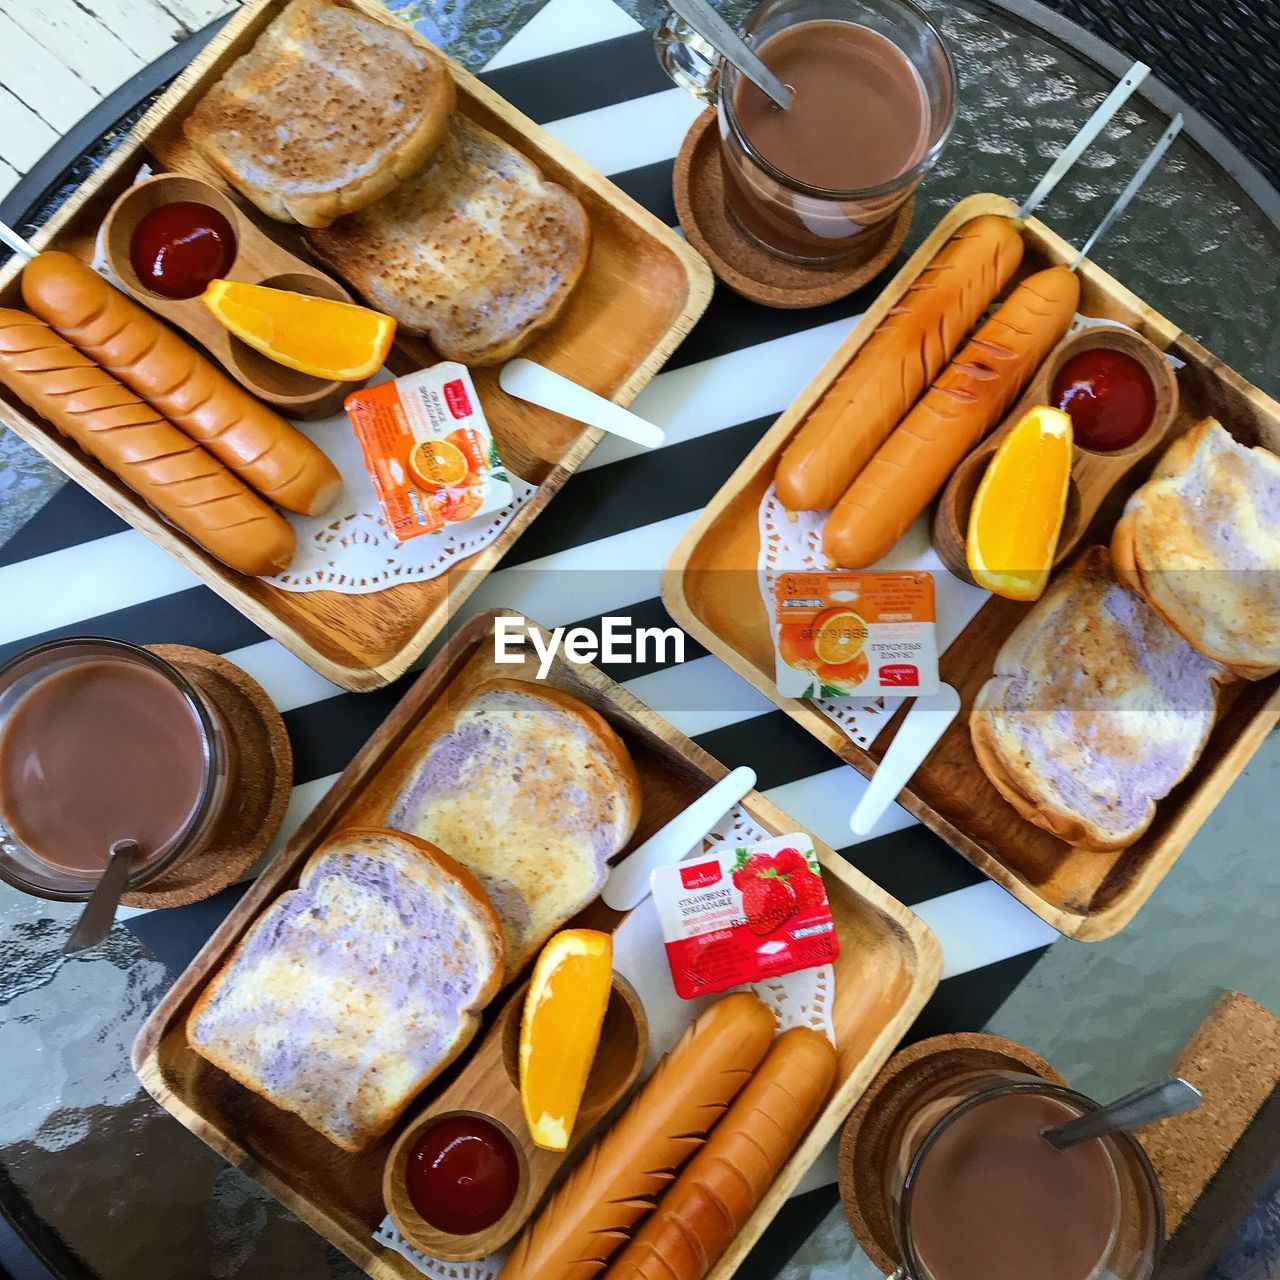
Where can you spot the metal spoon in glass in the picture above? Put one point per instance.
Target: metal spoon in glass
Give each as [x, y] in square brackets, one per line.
[733, 48]
[1143, 1106]
[100, 911]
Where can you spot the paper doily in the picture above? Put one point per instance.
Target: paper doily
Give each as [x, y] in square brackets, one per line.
[350, 550]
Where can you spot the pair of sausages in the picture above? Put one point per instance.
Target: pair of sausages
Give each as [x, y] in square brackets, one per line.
[118, 382]
[873, 450]
[703, 1140]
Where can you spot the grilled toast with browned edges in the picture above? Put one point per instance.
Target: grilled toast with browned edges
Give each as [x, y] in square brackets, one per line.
[476, 251]
[330, 110]
[1200, 541]
[1096, 710]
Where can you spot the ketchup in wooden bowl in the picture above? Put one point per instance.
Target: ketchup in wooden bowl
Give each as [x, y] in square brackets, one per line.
[178, 248]
[462, 1174]
[1109, 398]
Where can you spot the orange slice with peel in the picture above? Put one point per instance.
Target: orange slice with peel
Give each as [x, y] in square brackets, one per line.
[1017, 513]
[437, 464]
[560, 1031]
[336, 341]
[839, 636]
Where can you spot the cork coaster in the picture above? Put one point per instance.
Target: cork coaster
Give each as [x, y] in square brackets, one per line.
[872, 1125]
[738, 261]
[261, 785]
[1234, 1060]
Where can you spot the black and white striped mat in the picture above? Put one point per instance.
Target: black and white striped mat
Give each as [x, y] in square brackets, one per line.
[588, 73]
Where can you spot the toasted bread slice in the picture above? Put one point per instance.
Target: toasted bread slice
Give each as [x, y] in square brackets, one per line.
[528, 788]
[1201, 542]
[353, 991]
[1096, 710]
[476, 251]
[329, 110]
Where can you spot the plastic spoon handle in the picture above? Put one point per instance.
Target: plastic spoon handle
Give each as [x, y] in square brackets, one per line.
[541, 386]
[628, 883]
[1143, 1106]
[926, 722]
[733, 48]
[99, 912]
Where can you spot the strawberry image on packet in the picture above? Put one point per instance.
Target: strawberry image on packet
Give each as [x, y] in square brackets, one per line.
[743, 915]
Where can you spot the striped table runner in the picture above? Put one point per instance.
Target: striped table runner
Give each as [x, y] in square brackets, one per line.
[588, 73]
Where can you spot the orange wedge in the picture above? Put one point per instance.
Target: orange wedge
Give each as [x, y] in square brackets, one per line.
[337, 341]
[1016, 516]
[560, 1031]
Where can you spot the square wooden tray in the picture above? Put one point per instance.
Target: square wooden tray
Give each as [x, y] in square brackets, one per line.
[643, 289]
[889, 965]
[709, 588]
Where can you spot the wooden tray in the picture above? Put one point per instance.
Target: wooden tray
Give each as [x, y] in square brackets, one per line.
[643, 289]
[709, 586]
[889, 965]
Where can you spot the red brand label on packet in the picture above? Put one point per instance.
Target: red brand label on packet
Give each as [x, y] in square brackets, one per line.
[455, 396]
[744, 915]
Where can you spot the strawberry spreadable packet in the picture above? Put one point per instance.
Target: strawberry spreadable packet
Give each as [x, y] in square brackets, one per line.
[429, 450]
[745, 914]
[848, 634]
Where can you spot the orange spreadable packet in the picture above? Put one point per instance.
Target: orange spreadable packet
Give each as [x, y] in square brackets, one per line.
[847, 634]
[429, 450]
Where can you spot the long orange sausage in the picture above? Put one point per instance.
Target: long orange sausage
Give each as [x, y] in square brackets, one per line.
[896, 363]
[144, 353]
[974, 393]
[596, 1209]
[161, 465]
[717, 1192]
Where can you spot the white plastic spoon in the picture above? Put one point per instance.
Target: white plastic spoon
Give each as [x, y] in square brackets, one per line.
[926, 722]
[628, 883]
[541, 386]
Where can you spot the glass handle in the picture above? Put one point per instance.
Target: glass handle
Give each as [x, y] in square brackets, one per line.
[688, 59]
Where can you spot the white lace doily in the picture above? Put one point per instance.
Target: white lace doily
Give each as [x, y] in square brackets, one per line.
[801, 999]
[350, 550]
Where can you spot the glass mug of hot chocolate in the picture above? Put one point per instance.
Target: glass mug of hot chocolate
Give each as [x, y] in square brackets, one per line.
[100, 741]
[979, 1194]
[875, 100]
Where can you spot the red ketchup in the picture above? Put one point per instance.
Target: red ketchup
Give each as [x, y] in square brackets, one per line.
[178, 248]
[462, 1174]
[1109, 398]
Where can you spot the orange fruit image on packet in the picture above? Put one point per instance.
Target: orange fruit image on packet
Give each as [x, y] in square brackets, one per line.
[846, 634]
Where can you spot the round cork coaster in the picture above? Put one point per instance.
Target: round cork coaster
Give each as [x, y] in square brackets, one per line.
[872, 1125]
[738, 261]
[261, 784]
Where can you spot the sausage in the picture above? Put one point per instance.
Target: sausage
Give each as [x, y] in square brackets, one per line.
[161, 465]
[593, 1213]
[974, 393]
[148, 357]
[905, 353]
[719, 1189]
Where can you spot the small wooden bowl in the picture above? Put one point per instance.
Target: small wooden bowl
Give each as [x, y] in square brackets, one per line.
[1094, 475]
[258, 260]
[872, 1132]
[489, 1087]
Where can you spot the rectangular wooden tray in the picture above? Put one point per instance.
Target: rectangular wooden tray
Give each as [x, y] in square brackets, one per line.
[643, 289]
[889, 965]
[709, 588]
